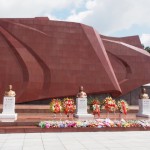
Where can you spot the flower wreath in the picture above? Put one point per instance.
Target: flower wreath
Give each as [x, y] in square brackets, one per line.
[69, 106]
[123, 106]
[110, 104]
[96, 107]
[56, 106]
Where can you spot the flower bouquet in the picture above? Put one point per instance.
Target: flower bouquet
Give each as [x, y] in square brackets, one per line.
[69, 106]
[56, 106]
[98, 123]
[96, 107]
[110, 104]
[123, 106]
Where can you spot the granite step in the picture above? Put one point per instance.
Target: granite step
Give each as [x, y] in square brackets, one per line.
[35, 129]
[45, 109]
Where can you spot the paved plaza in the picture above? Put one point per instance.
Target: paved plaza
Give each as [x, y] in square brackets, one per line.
[139, 140]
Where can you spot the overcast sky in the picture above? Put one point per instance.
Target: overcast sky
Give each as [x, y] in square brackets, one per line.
[109, 17]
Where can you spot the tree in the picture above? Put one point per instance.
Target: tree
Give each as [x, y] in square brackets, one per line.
[147, 49]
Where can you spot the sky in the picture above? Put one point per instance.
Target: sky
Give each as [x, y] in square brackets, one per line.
[116, 18]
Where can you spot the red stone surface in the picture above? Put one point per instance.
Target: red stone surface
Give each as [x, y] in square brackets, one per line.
[42, 59]
[29, 116]
[27, 121]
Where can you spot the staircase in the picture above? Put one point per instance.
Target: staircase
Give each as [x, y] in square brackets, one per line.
[30, 115]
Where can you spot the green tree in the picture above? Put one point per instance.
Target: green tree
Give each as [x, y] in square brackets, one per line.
[143, 46]
[147, 49]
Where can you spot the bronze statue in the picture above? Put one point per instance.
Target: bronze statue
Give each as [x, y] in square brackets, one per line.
[81, 93]
[144, 94]
[10, 93]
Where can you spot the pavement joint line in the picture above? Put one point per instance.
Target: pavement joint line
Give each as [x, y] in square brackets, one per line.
[4, 142]
[62, 143]
[42, 141]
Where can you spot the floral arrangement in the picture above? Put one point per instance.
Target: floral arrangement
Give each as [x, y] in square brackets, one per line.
[97, 123]
[110, 104]
[123, 106]
[69, 106]
[56, 106]
[96, 107]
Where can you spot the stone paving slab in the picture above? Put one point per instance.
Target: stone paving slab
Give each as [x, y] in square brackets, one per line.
[76, 141]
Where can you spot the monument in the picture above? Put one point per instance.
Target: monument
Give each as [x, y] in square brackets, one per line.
[144, 104]
[8, 113]
[81, 105]
[64, 55]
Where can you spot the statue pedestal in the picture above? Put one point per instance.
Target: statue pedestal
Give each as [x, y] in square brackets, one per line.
[144, 108]
[8, 114]
[81, 110]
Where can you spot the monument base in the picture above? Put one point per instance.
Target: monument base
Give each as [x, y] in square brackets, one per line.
[8, 117]
[144, 108]
[143, 115]
[84, 116]
[8, 114]
[81, 112]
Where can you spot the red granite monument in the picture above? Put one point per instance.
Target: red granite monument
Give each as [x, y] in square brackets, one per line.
[43, 58]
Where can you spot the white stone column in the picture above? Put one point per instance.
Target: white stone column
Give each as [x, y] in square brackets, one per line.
[81, 108]
[8, 114]
[144, 108]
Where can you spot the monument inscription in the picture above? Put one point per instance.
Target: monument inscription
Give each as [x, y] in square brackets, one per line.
[81, 105]
[144, 108]
[8, 105]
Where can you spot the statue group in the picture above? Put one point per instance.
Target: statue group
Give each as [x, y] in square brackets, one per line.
[81, 102]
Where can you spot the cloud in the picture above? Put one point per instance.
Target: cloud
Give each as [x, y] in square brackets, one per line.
[145, 39]
[78, 17]
[81, 15]
[106, 16]
[34, 8]
[110, 16]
